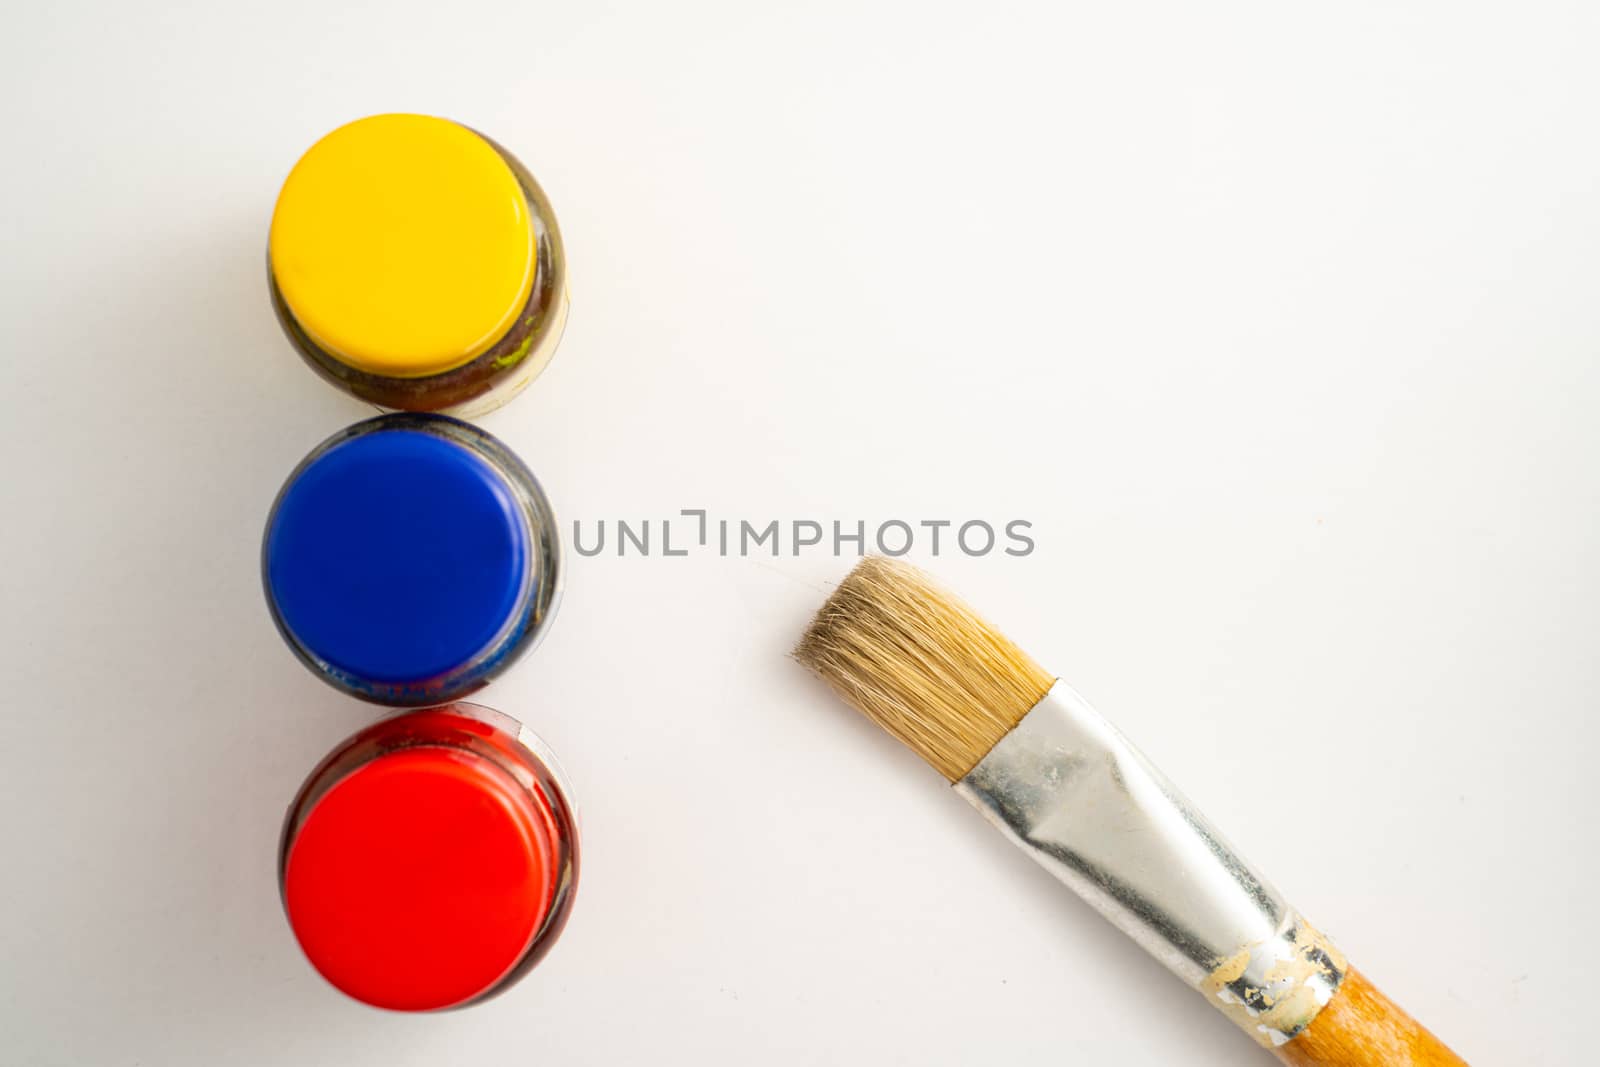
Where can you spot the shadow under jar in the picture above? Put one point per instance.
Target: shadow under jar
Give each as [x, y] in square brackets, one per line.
[417, 265]
[430, 860]
[410, 559]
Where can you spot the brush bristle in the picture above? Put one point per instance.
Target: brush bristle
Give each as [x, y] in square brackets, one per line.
[921, 664]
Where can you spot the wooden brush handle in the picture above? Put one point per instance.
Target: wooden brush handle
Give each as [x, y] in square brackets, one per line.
[1360, 1027]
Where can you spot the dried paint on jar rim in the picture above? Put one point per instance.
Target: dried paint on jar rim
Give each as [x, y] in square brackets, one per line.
[416, 264]
[430, 861]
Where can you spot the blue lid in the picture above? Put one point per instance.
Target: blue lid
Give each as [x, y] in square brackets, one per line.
[396, 556]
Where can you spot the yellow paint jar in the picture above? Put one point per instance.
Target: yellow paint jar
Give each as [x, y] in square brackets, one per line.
[416, 264]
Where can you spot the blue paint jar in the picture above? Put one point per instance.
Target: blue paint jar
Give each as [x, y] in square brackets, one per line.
[409, 559]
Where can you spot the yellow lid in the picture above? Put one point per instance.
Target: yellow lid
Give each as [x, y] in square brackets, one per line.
[402, 245]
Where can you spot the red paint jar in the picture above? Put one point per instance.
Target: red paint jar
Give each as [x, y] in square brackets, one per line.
[429, 861]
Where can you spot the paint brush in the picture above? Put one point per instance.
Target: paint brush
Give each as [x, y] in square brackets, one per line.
[1070, 791]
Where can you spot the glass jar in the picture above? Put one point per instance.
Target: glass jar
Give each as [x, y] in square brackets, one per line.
[410, 559]
[416, 264]
[430, 860]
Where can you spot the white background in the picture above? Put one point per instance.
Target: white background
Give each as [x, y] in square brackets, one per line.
[1278, 321]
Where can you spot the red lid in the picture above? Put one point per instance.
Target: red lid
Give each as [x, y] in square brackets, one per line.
[419, 880]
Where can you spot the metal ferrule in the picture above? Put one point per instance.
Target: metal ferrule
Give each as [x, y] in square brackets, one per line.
[1089, 808]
